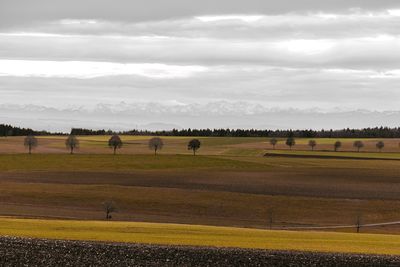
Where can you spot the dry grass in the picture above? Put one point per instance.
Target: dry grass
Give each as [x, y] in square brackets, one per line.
[177, 145]
[174, 234]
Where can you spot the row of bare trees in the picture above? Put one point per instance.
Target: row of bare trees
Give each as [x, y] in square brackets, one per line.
[115, 142]
[290, 142]
[155, 144]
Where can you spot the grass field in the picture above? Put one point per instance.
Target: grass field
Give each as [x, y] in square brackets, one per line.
[331, 154]
[177, 234]
[245, 146]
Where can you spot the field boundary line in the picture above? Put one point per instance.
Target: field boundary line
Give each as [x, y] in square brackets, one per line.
[336, 226]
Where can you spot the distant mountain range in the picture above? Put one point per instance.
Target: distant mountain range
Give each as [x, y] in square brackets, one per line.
[221, 114]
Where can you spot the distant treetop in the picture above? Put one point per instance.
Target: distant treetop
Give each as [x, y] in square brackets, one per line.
[377, 132]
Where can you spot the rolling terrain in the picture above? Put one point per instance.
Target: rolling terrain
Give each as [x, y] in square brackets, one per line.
[241, 184]
[230, 182]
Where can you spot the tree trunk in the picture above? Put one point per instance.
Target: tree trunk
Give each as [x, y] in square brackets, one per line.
[270, 221]
[194, 152]
[155, 151]
[30, 149]
[72, 150]
[115, 150]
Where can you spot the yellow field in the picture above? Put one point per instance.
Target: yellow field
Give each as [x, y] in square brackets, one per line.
[196, 235]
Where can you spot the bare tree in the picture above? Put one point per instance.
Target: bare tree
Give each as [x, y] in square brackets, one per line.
[380, 145]
[156, 143]
[290, 142]
[358, 144]
[312, 144]
[30, 142]
[270, 214]
[358, 223]
[337, 145]
[194, 145]
[273, 142]
[72, 143]
[115, 142]
[109, 207]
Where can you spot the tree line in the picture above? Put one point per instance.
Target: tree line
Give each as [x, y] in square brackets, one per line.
[377, 132]
[358, 144]
[8, 130]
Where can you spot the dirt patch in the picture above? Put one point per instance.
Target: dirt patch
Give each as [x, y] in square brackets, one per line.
[311, 182]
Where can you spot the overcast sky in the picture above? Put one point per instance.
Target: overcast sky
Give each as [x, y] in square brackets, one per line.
[213, 63]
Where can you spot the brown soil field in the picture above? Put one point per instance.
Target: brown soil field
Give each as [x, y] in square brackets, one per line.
[299, 196]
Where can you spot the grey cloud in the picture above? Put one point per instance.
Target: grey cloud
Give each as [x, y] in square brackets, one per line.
[14, 12]
[343, 53]
[290, 68]
[267, 27]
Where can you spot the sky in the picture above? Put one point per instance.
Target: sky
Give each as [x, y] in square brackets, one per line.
[156, 64]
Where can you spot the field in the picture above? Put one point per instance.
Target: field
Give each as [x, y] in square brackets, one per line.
[195, 235]
[228, 183]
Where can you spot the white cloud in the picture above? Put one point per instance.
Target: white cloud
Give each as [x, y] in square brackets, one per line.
[394, 12]
[88, 70]
[78, 22]
[308, 47]
[244, 18]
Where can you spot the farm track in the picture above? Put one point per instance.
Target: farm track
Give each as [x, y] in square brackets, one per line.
[319, 156]
[41, 252]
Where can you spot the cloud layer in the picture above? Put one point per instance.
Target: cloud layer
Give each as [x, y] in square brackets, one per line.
[329, 56]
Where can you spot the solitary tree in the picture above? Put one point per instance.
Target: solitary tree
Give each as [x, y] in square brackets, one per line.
[290, 142]
[380, 145]
[337, 145]
[270, 214]
[358, 145]
[358, 223]
[109, 207]
[115, 142]
[30, 142]
[72, 143]
[194, 145]
[273, 142]
[312, 144]
[156, 143]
